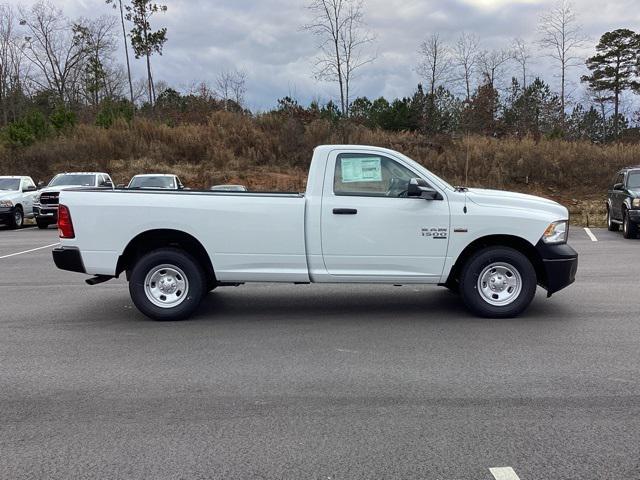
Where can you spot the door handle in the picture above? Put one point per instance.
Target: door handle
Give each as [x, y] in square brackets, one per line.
[345, 211]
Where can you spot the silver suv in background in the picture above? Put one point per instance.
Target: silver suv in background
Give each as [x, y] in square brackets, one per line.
[45, 205]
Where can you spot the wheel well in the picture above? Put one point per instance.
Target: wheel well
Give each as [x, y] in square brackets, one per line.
[19, 205]
[155, 239]
[517, 243]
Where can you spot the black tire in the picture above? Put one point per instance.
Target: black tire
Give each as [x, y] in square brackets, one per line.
[629, 229]
[188, 266]
[17, 219]
[475, 300]
[611, 226]
[42, 224]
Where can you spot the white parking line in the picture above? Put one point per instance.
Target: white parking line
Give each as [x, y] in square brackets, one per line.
[29, 251]
[504, 473]
[590, 234]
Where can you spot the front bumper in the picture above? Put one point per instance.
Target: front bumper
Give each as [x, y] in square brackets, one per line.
[48, 212]
[68, 258]
[560, 265]
[634, 215]
[6, 214]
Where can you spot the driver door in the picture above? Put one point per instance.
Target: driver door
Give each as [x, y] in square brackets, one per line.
[371, 230]
[28, 192]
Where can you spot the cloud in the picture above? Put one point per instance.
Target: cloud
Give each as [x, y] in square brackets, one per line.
[264, 37]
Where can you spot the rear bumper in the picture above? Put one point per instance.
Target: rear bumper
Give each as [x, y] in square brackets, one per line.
[68, 258]
[560, 264]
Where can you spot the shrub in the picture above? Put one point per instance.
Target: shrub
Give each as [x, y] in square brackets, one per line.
[62, 119]
[111, 111]
[26, 131]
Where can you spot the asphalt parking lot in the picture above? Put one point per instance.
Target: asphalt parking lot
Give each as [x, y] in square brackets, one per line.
[318, 382]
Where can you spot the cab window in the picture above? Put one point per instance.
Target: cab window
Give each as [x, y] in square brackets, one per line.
[365, 175]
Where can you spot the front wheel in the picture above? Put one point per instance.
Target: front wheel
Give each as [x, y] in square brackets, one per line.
[17, 219]
[167, 284]
[42, 224]
[629, 229]
[611, 225]
[498, 282]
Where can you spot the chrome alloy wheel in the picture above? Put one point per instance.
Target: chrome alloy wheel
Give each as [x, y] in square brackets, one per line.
[18, 219]
[166, 286]
[499, 284]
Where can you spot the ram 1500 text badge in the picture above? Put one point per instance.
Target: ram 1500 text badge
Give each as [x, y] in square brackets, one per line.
[369, 215]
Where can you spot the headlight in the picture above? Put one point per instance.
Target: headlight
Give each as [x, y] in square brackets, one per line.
[556, 233]
[6, 203]
[635, 203]
[36, 198]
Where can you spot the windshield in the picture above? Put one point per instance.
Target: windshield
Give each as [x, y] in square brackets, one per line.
[419, 167]
[634, 180]
[67, 180]
[152, 182]
[9, 184]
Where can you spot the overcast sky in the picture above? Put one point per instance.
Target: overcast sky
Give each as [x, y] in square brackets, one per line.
[264, 38]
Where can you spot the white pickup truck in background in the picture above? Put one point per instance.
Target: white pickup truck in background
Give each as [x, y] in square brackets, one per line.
[16, 200]
[369, 215]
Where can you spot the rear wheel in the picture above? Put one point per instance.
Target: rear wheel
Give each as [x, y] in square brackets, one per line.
[167, 284]
[629, 229]
[611, 225]
[17, 220]
[498, 282]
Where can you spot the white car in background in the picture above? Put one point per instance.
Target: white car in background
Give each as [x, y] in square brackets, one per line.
[45, 204]
[156, 182]
[16, 200]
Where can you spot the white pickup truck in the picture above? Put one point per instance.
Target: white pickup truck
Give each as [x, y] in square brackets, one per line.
[16, 200]
[369, 215]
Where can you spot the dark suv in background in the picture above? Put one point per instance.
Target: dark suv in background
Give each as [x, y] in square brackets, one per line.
[623, 202]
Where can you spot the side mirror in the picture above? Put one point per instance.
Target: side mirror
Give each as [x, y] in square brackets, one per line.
[41, 184]
[30, 188]
[120, 186]
[108, 184]
[618, 186]
[419, 188]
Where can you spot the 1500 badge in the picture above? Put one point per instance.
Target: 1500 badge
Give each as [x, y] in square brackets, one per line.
[435, 233]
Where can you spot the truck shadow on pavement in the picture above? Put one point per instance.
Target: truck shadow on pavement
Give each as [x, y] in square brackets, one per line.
[407, 304]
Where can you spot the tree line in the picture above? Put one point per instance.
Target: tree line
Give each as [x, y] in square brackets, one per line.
[55, 71]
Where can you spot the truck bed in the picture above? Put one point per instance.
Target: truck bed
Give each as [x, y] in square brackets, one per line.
[249, 236]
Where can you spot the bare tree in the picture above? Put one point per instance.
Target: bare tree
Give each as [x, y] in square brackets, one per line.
[465, 59]
[10, 61]
[126, 43]
[561, 36]
[491, 65]
[435, 62]
[342, 40]
[231, 85]
[53, 47]
[522, 55]
[100, 44]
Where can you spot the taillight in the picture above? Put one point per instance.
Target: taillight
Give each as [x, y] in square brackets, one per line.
[65, 225]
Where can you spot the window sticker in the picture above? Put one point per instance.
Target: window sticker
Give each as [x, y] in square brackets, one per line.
[368, 169]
